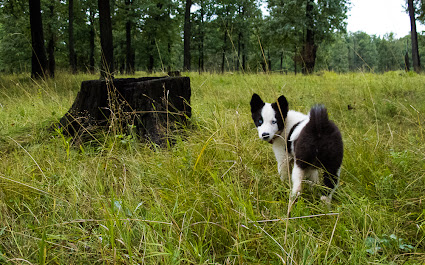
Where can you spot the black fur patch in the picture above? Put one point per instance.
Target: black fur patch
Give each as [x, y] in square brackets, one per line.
[281, 108]
[257, 105]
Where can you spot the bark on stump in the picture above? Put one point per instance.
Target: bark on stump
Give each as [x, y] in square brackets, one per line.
[153, 106]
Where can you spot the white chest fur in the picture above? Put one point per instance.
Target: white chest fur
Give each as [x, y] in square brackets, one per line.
[280, 147]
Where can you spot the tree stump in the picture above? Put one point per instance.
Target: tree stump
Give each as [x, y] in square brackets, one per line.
[152, 106]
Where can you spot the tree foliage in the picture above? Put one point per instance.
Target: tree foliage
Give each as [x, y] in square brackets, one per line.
[226, 35]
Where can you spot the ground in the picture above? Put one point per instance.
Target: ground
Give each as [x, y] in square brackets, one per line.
[214, 196]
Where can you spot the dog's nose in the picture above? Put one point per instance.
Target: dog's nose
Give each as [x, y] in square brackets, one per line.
[265, 135]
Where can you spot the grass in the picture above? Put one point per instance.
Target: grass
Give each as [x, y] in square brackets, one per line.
[215, 196]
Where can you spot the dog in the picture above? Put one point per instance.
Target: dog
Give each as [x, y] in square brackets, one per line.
[305, 142]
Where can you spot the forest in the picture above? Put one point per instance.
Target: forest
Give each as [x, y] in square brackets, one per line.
[202, 35]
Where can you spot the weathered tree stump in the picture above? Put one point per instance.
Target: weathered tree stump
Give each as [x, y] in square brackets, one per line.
[153, 106]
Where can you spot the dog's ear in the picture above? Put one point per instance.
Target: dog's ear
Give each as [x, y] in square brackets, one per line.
[281, 106]
[256, 103]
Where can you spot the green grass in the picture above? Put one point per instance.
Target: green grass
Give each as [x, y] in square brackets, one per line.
[204, 200]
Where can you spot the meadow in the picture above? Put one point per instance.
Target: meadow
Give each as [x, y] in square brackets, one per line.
[214, 197]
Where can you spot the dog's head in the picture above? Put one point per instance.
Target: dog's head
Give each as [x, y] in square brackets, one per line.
[269, 118]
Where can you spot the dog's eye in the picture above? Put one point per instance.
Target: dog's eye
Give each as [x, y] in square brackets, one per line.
[260, 121]
[274, 122]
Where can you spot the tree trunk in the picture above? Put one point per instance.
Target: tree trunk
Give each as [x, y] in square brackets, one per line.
[51, 45]
[240, 38]
[243, 56]
[149, 106]
[72, 61]
[238, 61]
[201, 44]
[106, 43]
[91, 42]
[281, 62]
[414, 37]
[223, 57]
[406, 62]
[129, 67]
[187, 37]
[38, 59]
[243, 39]
[310, 48]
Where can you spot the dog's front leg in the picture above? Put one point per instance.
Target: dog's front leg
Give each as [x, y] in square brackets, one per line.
[283, 168]
[283, 160]
[297, 178]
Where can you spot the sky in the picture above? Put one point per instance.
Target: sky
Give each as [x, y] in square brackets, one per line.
[379, 17]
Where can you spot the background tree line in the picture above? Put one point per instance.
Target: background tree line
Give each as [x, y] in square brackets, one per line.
[200, 35]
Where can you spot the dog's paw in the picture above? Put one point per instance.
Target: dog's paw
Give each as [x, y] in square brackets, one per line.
[292, 200]
[295, 195]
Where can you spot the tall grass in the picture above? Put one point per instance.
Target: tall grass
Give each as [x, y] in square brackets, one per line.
[214, 197]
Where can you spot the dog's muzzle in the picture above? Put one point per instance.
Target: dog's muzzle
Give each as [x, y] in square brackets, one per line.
[271, 139]
[266, 136]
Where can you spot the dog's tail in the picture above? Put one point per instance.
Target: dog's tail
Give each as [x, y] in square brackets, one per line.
[319, 120]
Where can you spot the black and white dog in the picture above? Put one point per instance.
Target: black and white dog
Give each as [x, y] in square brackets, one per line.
[309, 142]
